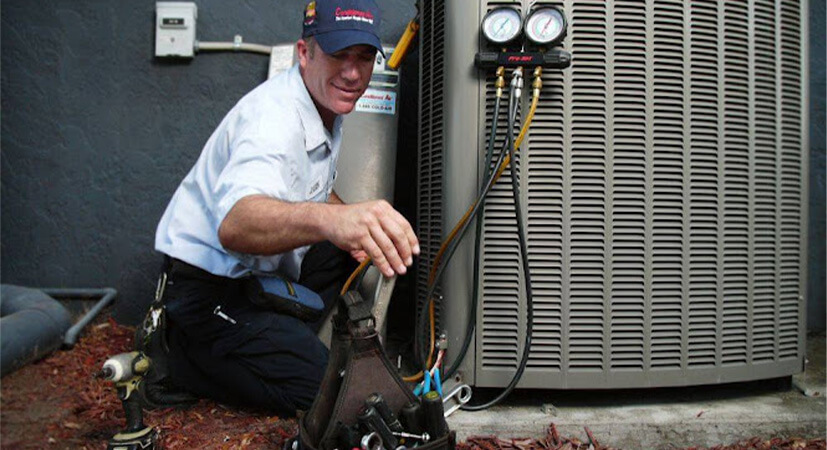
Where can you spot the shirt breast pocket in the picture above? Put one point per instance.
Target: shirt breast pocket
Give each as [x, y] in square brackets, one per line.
[317, 190]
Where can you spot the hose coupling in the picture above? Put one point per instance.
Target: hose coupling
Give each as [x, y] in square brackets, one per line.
[537, 84]
[517, 78]
[500, 84]
[517, 82]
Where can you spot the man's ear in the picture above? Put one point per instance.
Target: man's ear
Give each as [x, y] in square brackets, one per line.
[302, 50]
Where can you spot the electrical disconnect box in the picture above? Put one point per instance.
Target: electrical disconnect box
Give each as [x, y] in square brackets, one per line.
[175, 29]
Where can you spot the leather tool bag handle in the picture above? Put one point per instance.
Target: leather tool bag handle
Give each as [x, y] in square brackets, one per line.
[357, 368]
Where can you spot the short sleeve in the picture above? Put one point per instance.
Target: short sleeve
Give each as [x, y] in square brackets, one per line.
[258, 164]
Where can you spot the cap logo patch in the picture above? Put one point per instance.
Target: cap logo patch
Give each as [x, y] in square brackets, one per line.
[354, 14]
[310, 13]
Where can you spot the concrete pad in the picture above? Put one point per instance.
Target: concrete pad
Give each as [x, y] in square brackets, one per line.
[666, 417]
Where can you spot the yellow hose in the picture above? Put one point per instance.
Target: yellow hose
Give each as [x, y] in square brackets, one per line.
[353, 276]
[497, 175]
[404, 43]
[534, 102]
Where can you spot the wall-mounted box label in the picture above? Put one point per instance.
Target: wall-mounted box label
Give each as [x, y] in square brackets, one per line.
[175, 29]
[173, 22]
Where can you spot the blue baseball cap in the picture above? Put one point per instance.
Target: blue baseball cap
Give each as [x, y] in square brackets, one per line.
[338, 24]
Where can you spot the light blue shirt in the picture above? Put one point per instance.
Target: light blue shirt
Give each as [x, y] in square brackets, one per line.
[272, 143]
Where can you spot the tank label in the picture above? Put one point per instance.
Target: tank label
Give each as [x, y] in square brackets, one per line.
[377, 101]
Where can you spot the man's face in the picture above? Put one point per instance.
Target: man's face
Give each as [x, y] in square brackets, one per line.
[335, 81]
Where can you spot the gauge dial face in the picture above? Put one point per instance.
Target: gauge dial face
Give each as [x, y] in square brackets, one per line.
[501, 25]
[545, 25]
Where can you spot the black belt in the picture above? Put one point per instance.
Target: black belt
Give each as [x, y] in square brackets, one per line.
[175, 268]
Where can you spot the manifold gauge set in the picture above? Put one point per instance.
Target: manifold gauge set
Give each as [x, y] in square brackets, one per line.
[545, 26]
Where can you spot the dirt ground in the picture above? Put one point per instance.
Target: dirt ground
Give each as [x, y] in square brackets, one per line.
[56, 403]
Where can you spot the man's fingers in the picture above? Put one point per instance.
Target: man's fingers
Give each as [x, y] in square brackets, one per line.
[400, 239]
[388, 248]
[376, 255]
[385, 235]
[409, 232]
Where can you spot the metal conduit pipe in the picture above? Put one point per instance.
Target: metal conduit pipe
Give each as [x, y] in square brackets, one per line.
[238, 45]
[107, 295]
[32, 326]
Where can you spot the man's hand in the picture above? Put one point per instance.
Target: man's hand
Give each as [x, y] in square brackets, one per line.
[376, 229]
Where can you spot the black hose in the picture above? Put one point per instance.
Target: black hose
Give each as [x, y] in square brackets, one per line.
[421, 355]
[469, 332]
[422, 318]
[515, 189]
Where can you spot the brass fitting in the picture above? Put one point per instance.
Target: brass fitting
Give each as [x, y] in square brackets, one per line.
[500, 80]
[537, 84]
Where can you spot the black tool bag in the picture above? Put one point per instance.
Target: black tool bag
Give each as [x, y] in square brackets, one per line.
[357, 369]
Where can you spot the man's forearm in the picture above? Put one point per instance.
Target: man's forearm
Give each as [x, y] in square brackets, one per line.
[262, 225]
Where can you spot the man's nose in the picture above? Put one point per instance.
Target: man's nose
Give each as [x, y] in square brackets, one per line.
[350, 70]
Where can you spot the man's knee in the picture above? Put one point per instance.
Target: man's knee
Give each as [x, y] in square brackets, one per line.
[289, 361]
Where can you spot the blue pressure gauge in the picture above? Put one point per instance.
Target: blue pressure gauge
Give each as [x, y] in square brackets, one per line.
[502, 25]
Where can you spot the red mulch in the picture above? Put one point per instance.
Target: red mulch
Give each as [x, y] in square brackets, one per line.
[57, 403]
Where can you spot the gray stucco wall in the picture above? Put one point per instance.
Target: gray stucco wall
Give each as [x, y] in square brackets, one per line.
[96, 133]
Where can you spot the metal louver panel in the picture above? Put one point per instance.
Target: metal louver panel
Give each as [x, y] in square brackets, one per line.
[431, 126]
[661, 182]
[792, 199]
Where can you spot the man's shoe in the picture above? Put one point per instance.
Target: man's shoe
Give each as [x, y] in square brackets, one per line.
[162, 394]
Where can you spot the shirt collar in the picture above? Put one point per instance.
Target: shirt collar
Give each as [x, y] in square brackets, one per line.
[315, 134]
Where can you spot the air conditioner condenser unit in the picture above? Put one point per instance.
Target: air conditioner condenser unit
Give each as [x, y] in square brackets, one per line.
[663, 185]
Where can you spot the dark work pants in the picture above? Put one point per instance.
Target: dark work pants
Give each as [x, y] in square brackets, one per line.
[264, 360]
